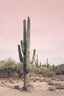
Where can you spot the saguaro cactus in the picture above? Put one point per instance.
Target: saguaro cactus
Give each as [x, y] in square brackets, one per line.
[53, 66]
[40, 63]
[24, 54]
[48, 65]
[36, 62]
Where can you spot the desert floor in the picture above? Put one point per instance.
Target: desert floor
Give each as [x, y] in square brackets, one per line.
[39, 86]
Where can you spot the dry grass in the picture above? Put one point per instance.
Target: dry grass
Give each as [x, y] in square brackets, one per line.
[50, 83]
[16, 87]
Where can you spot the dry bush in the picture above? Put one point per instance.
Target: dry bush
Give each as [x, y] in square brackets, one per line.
[40, 80]
[5, 80]
[51, 89]
[53, 83]
[11, 81]
[16, 87]
[50, 83]
[34, 80]
[59, 86]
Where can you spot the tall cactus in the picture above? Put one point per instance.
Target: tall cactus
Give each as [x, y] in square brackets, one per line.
[24, 54]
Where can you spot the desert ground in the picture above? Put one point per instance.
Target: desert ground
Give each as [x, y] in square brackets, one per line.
[39, 86]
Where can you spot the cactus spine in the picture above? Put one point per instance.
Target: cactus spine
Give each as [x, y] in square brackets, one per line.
[24, 54]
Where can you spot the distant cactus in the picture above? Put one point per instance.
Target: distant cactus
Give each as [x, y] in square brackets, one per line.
[36, 62]
[24, 53]
[53, 66]
[40, 63]
[48, 65]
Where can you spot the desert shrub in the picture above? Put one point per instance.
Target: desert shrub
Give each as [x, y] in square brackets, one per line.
[59, 69]
[46, 71]
[19, 69]
[50, 73]
[7, 68]
[42, 70]
[34, 69]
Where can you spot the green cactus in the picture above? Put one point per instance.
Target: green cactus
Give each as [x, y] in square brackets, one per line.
[53, 66]
[40, 63]
[36, 62]
[48, 65]
[33, 58]
[24, 54]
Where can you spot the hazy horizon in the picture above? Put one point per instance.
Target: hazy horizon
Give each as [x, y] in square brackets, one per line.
[47, 28]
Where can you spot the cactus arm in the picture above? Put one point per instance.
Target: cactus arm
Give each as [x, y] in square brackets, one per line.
[20, 54]
[36, 63]
[22, 46]
[33, 58]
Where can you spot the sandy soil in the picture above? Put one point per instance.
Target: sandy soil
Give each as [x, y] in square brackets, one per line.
[39, 87]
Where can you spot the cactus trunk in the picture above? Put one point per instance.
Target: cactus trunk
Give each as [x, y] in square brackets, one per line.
[26, 55]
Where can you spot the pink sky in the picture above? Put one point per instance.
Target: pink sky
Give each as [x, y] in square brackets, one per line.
[47, 28]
